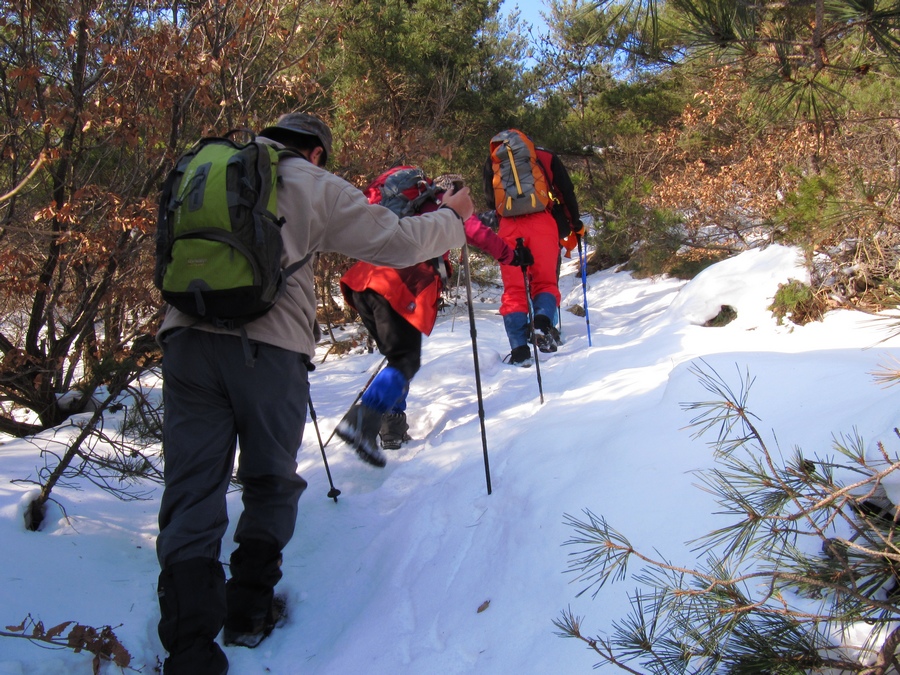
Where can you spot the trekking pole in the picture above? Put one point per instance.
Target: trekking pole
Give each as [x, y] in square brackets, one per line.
[333, 492]
[359, 395]
[537, 364]
[558, 305]
[487, 466]
[582, 263]
[562, 338]
[456, 304]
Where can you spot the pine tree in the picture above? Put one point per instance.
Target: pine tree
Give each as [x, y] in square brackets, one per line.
[811, 553]
[800, 57]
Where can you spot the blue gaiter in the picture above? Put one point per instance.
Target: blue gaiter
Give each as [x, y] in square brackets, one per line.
[388, 386]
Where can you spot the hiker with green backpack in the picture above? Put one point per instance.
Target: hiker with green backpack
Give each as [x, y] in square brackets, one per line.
[237, 226]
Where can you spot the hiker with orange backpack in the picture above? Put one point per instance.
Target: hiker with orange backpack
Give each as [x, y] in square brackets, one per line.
[398, 305]
[535, 201]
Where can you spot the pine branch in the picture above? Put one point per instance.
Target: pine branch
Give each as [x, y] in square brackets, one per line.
[886, 658]
[570, 626]
[733, 615]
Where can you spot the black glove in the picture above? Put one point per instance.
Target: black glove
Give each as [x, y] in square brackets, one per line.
[522, 256]
[489, 219]
[578, 228]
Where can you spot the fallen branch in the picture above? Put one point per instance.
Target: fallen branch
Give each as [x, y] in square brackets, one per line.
[102, 643]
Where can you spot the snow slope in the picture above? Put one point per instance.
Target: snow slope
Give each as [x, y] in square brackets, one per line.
[390, 579]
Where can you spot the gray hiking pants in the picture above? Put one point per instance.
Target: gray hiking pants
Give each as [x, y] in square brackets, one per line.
[212, 401]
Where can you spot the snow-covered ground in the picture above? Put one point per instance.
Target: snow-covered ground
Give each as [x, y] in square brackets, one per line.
[390, 578]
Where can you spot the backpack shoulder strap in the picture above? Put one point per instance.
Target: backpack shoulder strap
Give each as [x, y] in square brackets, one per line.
[428, 195]
[548, 173]
[285, 153]
[293, 267]
[289, 152]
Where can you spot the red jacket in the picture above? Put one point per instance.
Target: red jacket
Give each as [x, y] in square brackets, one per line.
[414, 292]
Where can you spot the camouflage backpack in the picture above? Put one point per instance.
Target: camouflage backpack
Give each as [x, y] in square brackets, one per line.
[405, 190]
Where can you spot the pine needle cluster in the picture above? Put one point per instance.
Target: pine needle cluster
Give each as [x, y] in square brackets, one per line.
[808, 564]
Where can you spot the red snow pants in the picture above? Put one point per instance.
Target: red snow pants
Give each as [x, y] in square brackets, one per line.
[541, 236]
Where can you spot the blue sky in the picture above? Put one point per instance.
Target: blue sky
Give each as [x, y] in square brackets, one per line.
[531, 10]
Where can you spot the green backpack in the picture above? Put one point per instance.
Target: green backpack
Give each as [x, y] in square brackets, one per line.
[218, 238]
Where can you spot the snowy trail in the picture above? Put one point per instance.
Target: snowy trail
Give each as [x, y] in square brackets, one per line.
[389, 579]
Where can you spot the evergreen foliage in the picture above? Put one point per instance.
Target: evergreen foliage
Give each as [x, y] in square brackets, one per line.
[798, 302]
[810, 553]
[799, 58]
[437, 82]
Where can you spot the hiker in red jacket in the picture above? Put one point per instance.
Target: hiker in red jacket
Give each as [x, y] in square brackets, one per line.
[534, 198]
[397, 306]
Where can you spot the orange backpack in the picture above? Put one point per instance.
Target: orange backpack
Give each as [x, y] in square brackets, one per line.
[520, 186]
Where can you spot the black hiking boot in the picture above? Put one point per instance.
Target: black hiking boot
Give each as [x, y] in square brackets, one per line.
[393, 430]
[545, 334]
[253, 608]
[359, 429]
[260, 627]
[520, 356]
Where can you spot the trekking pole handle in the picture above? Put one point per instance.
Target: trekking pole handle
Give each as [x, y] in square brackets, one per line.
[520, 245]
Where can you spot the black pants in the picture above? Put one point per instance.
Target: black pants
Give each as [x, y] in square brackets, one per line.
[396, 337]
[213, 401]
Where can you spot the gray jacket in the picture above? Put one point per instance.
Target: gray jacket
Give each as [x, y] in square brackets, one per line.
[324, 213]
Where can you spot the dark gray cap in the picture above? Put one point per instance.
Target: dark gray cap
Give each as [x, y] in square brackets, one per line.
[299, 123]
